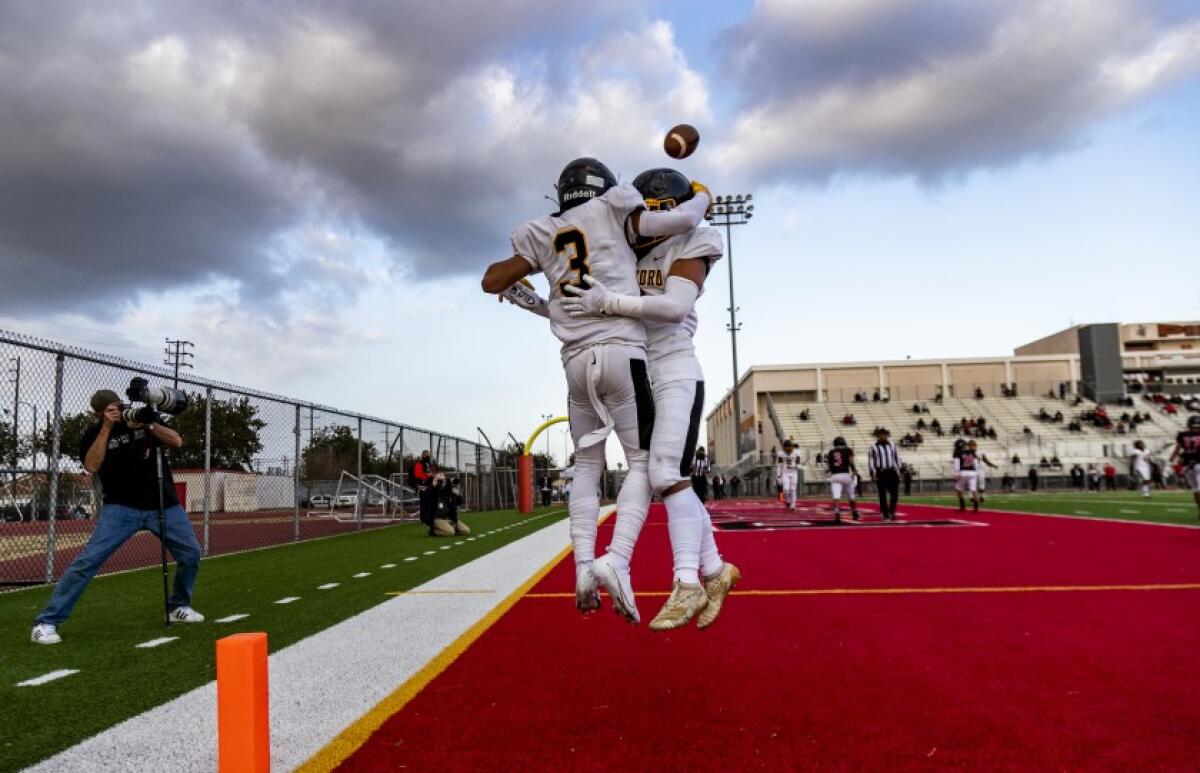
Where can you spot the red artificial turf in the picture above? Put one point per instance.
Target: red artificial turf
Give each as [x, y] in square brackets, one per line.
[1024, 680]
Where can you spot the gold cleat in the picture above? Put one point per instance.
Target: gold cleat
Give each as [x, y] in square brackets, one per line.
[717, 587]
[685, 602]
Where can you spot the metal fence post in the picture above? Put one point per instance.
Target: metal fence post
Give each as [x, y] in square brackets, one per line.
[358, 508]
[56, 439]
[402, 471]
[208, 396]
[296, 482]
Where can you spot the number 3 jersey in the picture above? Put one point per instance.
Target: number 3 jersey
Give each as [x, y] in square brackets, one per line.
[589, 238]
[669, 344]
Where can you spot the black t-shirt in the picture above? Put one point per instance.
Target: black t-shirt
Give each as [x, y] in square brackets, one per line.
[1189, 441]
[966, 459]
[839, 460]
[129, 472]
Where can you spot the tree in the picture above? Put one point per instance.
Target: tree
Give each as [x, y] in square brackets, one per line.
[70, 436]
[9, 445]
[334, 449]
[235, 434]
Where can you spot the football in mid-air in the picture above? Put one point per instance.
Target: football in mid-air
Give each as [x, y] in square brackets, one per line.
[681, 141]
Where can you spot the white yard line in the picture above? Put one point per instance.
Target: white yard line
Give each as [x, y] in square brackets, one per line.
[316, 690]
[50, 677]
[156, 642]
[360, 575]
[328, 586]
[411, 558]
[233, 618]
[387, 566]
[288, 599]
[1098, 519]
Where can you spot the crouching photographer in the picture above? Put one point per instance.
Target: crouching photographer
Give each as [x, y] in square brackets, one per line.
[122, 450]
[442, 514]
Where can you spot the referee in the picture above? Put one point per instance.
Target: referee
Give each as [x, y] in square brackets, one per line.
[884, 464]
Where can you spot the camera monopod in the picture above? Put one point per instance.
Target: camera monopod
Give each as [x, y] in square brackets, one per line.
[162, 535]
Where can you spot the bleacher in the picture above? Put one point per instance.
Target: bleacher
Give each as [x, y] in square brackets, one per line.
[1009, 416]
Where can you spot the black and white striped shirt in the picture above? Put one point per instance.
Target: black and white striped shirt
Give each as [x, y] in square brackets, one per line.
[883, 456]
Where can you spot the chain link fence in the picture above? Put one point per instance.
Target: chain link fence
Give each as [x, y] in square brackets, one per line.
[256, 469]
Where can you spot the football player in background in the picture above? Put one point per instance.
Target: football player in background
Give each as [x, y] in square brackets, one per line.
[842, 477]
[966, 469]
[670, 275]
[787, 472]
[984, 462]
[604, 358]
[1140, 458]
[1187, 451]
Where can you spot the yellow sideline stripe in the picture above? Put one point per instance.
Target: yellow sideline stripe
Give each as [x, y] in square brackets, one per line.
[349, 740]
[900, 591]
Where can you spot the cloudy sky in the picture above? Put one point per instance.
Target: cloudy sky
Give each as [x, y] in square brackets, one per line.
[310, 190]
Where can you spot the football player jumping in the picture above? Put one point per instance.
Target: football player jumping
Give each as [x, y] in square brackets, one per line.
[604, 359]
[670, 277]
[787, 471]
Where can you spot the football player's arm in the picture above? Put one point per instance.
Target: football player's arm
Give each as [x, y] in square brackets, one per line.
[1176, 451]
[522, 295]
[505, 273]
[679, 296]
[957, 465]
[670, 222]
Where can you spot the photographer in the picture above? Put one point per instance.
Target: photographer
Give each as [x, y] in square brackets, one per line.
[120, 450]
[444, 502]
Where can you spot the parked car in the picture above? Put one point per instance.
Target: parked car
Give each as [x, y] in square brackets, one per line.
[320, 500]
[347, 499]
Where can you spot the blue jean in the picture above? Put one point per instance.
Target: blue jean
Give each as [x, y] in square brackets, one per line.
[114, 528]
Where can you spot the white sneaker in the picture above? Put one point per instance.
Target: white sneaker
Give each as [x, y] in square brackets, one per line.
[186, 615]
[617, 583]
[44, 633]
[587, 598]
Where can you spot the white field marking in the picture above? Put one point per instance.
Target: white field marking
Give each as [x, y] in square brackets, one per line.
[470, 539]
[1082, 512]
[1057, 515]
[459, 542]
[446, 547]
[360, 575]
[156, 642]
[411, 558]
[344, 688]
[387, 566]
[288, 599]
[429, 552]
[1131, 512]
[328, 585]
[232, 618]
[50, 677]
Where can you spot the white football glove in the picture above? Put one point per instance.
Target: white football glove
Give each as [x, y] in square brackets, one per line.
[586, 301]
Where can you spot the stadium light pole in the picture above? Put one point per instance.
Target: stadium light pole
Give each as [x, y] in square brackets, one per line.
[730, 211]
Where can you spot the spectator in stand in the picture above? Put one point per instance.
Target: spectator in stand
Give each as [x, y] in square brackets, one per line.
[1044, 463]
[921, 424]
[1170, 409]
[804, 415]
[1033, 478]
[1058, 417]
[938, 397]
[735, 485]
[925, 408]
[1078, 400]
[1016, 459]
[1027, 431]
[1062, 390]
[1077, 477]
[849, 420]
[1110, 477]
[978, 393]
[875, 396]
[1055, 462]
[818, 458]
[916, 408]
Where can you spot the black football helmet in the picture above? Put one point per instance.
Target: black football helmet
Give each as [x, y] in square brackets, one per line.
[662, 188]
[839, 442]
[583, 180]
[788, 443]
[1194, 421]
[959, 444]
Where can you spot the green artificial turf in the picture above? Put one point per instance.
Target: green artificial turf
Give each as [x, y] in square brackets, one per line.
[118, 681]
[1160, 507]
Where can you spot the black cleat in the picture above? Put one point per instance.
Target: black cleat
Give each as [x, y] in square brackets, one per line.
[854, 514]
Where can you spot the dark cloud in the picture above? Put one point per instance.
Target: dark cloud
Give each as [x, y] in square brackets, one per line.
[938, 89]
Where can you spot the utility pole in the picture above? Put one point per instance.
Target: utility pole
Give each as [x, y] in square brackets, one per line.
[730, 211]
[177, 356]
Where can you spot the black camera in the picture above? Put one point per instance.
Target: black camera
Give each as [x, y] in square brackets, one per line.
[158, 399]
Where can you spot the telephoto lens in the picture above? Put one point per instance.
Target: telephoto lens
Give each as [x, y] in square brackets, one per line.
[166, 399]
[143, 415]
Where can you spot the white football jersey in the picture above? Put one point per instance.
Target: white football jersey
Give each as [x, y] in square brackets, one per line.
[669, 345]
[589, 238]
[787, 462]
[1141, 462]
